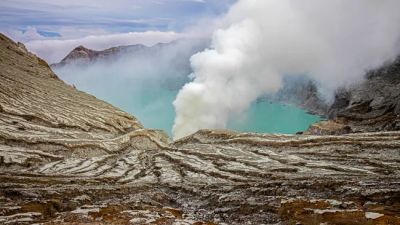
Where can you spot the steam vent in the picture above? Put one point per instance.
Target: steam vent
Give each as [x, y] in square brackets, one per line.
[69, 158]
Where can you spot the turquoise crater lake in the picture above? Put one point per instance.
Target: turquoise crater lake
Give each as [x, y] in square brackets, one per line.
[153, 107]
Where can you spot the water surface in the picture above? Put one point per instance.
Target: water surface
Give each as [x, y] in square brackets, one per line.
[268, 117]
[151, 103]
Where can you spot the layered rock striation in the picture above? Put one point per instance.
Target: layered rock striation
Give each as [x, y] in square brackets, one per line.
[69, 158]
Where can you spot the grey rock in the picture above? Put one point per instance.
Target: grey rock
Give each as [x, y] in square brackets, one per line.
[372, 105]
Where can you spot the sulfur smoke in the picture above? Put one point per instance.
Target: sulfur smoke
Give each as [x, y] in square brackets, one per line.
[332, 42]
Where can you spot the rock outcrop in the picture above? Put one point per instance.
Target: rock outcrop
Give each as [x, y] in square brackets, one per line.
[373, 105]
[69, 158]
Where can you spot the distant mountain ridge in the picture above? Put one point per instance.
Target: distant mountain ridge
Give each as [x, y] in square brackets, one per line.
[83, 56]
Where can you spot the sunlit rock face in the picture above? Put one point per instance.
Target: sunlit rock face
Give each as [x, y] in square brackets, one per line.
[69, 158]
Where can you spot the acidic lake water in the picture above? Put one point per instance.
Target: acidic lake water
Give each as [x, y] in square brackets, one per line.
[153, 107]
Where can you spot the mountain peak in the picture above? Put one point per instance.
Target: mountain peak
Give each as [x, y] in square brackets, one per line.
[81, 48]
[80, 55]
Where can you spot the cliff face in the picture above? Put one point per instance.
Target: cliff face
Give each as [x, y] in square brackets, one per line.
[68, 158]
[373, 105]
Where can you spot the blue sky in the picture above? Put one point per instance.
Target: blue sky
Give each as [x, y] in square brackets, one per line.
[78, 18]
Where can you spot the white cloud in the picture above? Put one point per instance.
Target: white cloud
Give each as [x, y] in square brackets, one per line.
[30, 33]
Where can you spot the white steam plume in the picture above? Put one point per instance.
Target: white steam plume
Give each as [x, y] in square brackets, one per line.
[333, 42]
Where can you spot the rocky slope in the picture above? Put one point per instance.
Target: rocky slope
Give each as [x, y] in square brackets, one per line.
[69, 158]
[373, 105]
